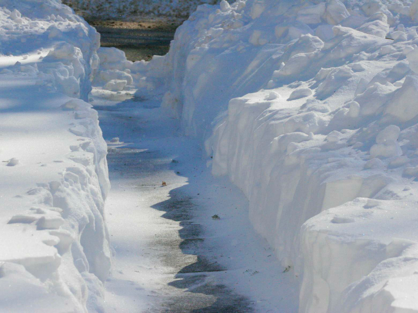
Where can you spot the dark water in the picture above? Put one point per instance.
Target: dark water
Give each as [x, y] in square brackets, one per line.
[138, 44]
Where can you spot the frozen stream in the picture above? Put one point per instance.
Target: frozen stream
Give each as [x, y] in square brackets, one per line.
[171, 253]
[182, 239]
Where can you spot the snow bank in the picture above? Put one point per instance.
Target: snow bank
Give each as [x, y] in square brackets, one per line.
[310, 107]
[54, 254]
[123, 8]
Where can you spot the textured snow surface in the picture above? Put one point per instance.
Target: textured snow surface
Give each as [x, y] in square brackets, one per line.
[54, 252]
[311, 109]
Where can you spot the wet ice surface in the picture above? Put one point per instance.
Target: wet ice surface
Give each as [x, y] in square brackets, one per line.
[170, 253]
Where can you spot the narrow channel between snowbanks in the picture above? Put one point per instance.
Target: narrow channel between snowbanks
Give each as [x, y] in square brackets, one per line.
[54, 254]
[310, 107]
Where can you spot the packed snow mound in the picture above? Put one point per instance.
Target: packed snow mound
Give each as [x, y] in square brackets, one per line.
[117, 78]
[54, 254]
[32, 31]
[123, 8]
[310, 107]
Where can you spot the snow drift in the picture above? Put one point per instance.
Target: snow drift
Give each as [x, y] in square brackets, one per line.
[310, 107]
[54, 254]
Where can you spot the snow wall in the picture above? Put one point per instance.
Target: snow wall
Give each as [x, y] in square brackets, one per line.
[311, 109]
[54, 254]
[122, 8]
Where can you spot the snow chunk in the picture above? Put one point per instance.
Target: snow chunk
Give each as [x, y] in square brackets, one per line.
[116, 85]
[386, 143]
[224, 6]
[336, 12]
[404, 105]
[300, 93]
[413, 60]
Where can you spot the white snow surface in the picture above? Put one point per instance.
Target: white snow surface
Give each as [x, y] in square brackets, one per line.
[310, 108]
[54, 251]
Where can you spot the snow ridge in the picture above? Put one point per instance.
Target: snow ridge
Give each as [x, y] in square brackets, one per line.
[54, 248]
[310, 107]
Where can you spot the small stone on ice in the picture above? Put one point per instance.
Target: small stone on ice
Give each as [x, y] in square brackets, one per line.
[216, 217]
[288, 268]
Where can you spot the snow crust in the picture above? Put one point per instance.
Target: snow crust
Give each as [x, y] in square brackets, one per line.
[310, 108]
[54, 250]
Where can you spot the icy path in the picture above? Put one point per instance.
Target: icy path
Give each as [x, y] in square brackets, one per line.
[170, 254]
